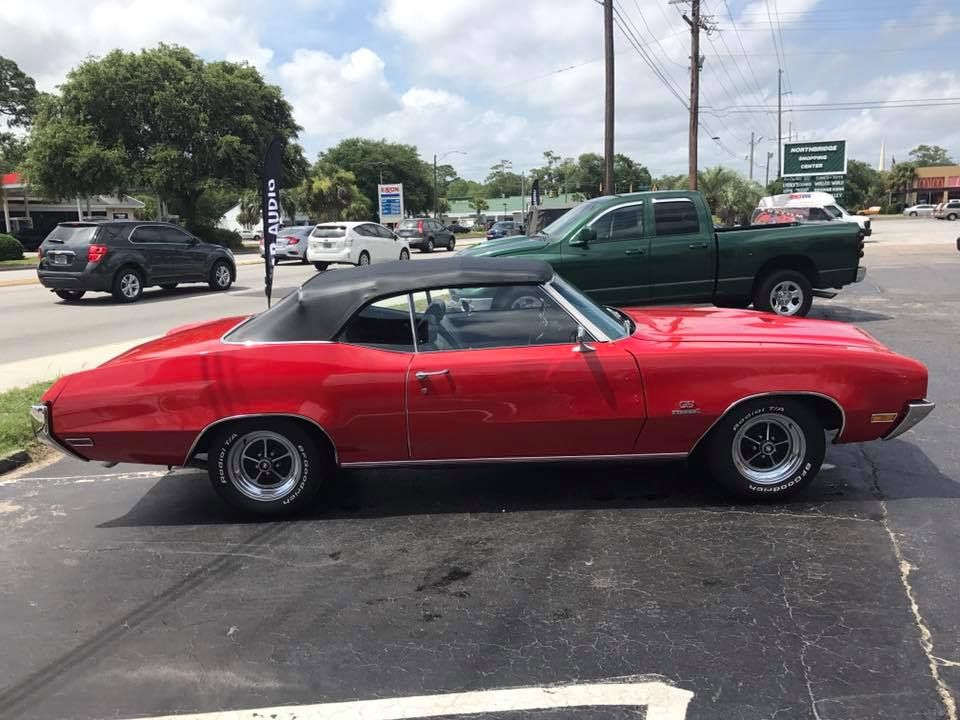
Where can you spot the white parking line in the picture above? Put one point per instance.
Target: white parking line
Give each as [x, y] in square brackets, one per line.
[662, 701]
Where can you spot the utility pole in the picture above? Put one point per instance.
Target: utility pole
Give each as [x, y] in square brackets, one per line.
[436, 200]
[779, 118]
[751, 155]
[696, 23]
[769, 155]
[790, 131]
[608, 95]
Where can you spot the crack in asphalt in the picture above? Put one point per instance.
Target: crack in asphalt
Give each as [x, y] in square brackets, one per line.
[926, 637]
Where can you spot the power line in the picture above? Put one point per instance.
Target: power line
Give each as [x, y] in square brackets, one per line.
[760, 92]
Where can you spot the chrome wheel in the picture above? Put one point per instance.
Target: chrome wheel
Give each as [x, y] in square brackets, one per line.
[769, 448]
[264, 465]
[786, 298]
[130, 286]
[222, 276]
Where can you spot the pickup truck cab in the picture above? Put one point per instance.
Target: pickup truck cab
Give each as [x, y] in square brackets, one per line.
[662, 247]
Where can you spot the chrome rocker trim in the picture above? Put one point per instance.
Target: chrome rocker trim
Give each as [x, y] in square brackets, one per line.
[40, 422]
[527, 459]
[915, 413]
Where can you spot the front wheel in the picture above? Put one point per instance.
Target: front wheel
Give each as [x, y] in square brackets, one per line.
[767, 449]
[266, 467]
[404, 254]
[452, 244]
[69, 295]
[913, 214]
[321, 266]
[952, 216]
[221, 277]
[784, 292]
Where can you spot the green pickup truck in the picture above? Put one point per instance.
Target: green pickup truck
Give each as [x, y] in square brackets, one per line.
[662, 247]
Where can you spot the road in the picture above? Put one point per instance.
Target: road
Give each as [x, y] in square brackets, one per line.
[131, 592]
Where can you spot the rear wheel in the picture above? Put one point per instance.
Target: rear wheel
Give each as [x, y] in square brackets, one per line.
[766, 449]
[428, 246]
[404, 254]
[364, 258]
[267, 467]
[952, 216]
[451, 244]
[913, 214]
[69, 295]
[321, 266]
[221, 277]
[127, 285]
[784, 292]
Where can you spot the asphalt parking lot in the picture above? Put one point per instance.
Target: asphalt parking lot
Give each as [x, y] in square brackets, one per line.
[130, 592]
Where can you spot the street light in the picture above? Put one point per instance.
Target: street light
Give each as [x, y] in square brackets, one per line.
[504, 211]
[436, 197]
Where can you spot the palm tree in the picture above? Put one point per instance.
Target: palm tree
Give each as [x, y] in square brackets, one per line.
[479, 205]
[902, 177]
[249, 208]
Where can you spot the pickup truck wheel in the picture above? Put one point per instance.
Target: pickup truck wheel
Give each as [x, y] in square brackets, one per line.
[767, 449]
[266, 467]
[784, 292]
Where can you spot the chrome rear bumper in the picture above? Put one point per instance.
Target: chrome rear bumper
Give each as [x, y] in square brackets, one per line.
[916, 411]
[40, 421]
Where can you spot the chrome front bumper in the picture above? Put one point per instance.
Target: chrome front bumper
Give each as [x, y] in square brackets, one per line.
[40, 421]
[916, 411]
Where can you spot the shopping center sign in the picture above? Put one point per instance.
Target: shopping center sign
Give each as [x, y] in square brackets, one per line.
[815, 158]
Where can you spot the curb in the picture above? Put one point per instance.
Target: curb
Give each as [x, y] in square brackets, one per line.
[20, 281]
[16, 459]
[14, 268]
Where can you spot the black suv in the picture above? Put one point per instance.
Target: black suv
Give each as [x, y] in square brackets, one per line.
[426, 234]
[123, 257]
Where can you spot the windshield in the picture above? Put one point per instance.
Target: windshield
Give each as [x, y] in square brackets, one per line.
[613, 327]
[835, 210]
[410, 223]
[570, 219]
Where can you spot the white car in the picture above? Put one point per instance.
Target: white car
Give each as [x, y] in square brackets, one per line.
[250, 234]
[923, 209]
[354, 243]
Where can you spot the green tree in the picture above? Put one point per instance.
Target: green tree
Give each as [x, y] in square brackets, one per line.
[460, 188]
[502, 181]
[630, 176]
[927, 155]
[13, 151]
[250, 203]
[863, 186]
[397, 163]
[479, 205]
[730, 196]
[902, 177]
[588, 178]
[331, 193]
[18, 94]
[177, 125]
[670, 182]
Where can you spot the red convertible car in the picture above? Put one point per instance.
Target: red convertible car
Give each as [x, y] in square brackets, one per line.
[481, 360]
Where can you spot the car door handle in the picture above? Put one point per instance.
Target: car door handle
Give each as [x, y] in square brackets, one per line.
[695, 246]
[635, 251]
[421, 375]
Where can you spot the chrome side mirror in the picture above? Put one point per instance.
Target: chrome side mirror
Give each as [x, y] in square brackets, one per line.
[582, 345]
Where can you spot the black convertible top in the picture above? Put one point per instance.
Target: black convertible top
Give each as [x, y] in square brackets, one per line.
[323, 304]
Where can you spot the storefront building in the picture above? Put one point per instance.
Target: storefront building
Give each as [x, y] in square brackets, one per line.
[935, 185]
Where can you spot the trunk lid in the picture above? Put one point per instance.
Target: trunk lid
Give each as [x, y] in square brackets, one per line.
[194, 337]
[706, 325]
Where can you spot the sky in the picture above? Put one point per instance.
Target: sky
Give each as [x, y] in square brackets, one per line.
[488, 80]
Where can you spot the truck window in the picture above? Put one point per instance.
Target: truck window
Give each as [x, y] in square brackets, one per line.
[675, 217]
[623, 224]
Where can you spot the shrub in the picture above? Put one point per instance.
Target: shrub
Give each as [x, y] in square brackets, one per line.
[10, 248]
[217, 236]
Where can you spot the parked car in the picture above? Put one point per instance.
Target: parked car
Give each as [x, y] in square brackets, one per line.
[291, 244]
[409, 375]
[949, 210]
[123, 257]
[425, 234]
[354, 243]
[255, 234]
[662, 247]
[457, 228]
[504, 228]
[871, 210]
[820, 200]
[923, 210]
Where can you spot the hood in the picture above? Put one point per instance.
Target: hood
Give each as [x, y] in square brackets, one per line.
[705, 325]
[512, 245]
[190, 338]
